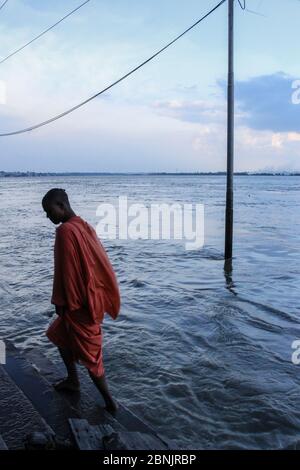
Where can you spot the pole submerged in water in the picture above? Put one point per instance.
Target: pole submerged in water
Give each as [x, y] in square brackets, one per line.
[230, 134]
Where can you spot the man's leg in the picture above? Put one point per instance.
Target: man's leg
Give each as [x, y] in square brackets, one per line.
[71, 383]
[102, 386]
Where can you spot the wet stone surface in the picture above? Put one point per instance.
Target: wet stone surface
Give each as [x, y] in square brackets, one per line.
[18, 417]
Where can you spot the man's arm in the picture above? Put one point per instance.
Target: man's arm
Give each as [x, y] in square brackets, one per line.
[70, 282]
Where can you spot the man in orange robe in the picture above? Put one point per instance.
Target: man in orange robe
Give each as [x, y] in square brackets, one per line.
[84, 288]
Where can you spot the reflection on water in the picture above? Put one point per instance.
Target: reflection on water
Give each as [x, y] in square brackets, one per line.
[202, 354]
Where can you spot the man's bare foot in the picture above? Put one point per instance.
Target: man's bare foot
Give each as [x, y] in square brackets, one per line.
[68, 385]
[112, 407]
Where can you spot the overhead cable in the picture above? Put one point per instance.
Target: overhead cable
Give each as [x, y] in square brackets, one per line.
[42, 33]
[59, 116]
[4, 3]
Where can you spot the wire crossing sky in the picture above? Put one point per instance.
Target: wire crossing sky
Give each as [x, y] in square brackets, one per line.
[4, 3]
[59, 116]
[42, 33]
[170, 115]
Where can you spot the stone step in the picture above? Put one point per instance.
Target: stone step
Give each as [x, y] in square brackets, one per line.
[18, 417]
[46, 401]
[89, 403]
[35, 374]
[104, 437]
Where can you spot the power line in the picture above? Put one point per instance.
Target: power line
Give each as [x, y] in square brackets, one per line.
[244, 7]
[3, 4]
[255, 13]
[42, 33]
[44, 123]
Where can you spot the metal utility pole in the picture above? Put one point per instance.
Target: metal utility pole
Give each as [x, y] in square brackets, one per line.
[230, 134]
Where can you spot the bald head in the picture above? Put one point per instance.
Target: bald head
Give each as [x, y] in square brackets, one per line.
[55, 195]
[57, 206]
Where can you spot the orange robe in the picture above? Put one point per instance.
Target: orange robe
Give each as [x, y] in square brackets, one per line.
[86, 286]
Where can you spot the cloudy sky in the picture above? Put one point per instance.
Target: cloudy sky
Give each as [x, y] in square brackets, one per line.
[171, 114]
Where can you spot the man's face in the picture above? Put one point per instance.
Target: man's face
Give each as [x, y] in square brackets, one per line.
[55, 211]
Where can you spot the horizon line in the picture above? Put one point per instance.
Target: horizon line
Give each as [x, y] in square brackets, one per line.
[19, 173]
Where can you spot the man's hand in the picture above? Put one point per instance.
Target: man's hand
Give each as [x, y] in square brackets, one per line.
[59, 310]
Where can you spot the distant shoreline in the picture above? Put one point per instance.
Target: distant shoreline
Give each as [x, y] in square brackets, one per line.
[18, 174]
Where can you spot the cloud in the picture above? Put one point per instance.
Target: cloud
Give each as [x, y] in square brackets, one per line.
[204, 112]
[126, 130]
[266, 103]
